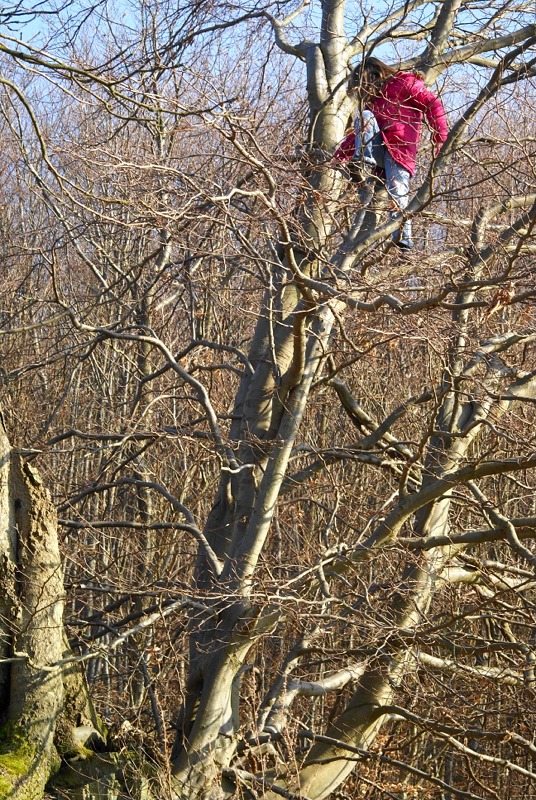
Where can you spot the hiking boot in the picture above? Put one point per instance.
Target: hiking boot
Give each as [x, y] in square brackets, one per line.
[404, 247]
[361, 171]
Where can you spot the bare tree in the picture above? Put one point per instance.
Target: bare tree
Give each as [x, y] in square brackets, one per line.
[321, 452]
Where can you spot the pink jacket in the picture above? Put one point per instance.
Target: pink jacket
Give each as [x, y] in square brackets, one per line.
[399, 111]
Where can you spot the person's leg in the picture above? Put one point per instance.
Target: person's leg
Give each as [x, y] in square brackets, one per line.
[397, 181]
[369, 146]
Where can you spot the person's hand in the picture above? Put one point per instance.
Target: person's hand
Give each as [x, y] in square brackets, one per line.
[436, 148]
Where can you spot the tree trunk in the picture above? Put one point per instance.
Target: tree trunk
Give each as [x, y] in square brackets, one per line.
[44, 700]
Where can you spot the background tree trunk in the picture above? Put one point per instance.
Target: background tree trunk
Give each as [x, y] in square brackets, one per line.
[46, 712]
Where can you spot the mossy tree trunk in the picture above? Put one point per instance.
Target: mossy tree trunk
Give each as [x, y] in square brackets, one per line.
[43, 698]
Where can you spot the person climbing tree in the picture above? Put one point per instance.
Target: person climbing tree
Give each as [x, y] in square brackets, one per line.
[387, 128]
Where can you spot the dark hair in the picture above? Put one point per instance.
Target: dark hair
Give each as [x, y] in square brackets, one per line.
[369, 76]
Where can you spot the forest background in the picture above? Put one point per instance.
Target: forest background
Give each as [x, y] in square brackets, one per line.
[267, 501]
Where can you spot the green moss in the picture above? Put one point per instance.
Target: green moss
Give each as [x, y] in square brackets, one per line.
[24, 768]
[17, 756]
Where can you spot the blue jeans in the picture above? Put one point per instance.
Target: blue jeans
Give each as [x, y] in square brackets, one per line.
[371, 151]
